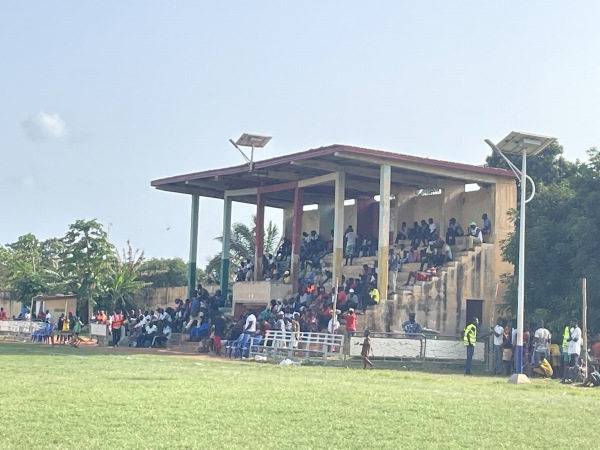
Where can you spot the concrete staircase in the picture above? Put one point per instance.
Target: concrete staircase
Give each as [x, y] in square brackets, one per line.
[424, 297]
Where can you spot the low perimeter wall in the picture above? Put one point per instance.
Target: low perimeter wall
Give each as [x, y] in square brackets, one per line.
[417, 348]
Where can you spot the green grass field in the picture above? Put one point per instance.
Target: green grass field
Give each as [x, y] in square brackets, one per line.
[75, 398]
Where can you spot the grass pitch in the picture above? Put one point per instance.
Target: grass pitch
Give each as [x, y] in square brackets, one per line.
[98, 399]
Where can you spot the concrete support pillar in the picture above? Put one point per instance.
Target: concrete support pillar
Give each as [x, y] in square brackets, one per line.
[338, 227]
[193, 245]
[225, 245]
[260, 237]
[296, 237]
[385, 179]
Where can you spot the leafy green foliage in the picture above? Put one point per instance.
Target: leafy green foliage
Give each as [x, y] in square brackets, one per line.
[159, 272]
[242, 248]
[123, 282]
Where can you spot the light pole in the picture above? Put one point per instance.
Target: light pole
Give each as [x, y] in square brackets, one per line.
[524, 144]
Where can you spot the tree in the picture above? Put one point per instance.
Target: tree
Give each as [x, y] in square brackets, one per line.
[561, 246]
[26, 268]
[86, 259]
[169, 272]
[242, 247]
[123, 281]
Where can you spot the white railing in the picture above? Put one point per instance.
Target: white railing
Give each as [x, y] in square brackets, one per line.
[303, 345]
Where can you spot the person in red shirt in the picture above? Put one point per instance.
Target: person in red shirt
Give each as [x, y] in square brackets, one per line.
[350, 317]
[341, 299]
[595, 348]
[3, 315]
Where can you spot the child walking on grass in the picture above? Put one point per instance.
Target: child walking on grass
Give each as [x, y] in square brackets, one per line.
[366, 349]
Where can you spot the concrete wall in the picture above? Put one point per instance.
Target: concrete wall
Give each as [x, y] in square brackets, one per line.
[10, 304]
[256, 294]
[164, 297]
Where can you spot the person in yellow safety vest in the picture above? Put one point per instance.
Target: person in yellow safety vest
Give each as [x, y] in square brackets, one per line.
[565, 352]
[116, 321]
[470, 338]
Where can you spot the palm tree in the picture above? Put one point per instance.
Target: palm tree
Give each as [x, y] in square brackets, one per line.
[242, 247]
[123, 282]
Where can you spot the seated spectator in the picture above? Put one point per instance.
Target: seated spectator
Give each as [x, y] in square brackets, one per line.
[543, 368]
[373, 294]
[410, 326]
[352, 299]
[414, 255]
[414, 234]
[487, 225]
[402, 233]
[454, 230]
[403, 255]
[443, 252]
[163, 335]
[474, 231]
[421, 276]
[428, 256]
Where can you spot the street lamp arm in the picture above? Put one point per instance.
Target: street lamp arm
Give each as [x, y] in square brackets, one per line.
[514, 168]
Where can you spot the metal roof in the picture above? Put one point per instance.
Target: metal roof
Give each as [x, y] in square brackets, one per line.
[361, 166]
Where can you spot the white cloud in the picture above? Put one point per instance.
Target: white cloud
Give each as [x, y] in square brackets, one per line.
[45, 126]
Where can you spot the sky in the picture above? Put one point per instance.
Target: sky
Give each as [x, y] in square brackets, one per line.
[99, 98]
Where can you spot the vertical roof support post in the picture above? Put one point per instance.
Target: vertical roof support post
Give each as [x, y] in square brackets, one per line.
[385, 180]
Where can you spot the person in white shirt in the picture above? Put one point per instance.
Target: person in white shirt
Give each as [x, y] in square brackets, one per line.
[351, 237]
[574, 341]
[250, 326]
[432, 228]
[474, 231]
[48, 318]
[498, 332]
[541, 342]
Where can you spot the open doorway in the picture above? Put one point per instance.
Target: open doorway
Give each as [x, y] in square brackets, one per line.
[474, 309]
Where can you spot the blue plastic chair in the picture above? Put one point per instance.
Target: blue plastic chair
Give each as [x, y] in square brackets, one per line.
[241, 346]
[254, 344]
[233, 345]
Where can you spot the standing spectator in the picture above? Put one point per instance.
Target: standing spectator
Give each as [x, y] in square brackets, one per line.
[77, 330]
[541, 341]
[432, 228]
[424, 233]
[250, 325]
[487, 225]
[195, 314]
[393, 268]
[351, 238]
[565, 351]
[366, 350]
[342, 299]
[3, 315]
[498, 332]
[219, 323]
[574, 341]
[350, 317]
[116, 320]
[470, 338]
[48, 318]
